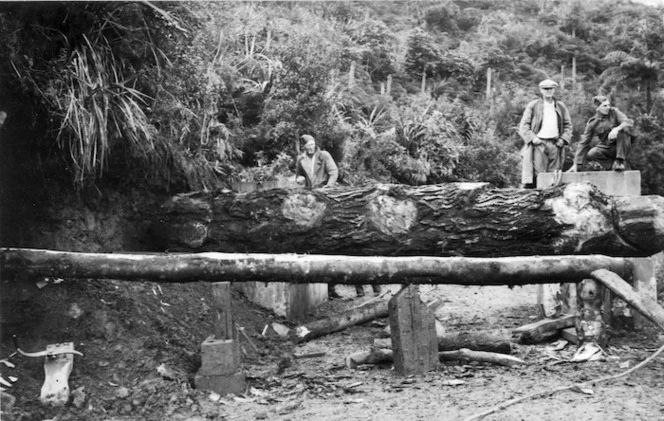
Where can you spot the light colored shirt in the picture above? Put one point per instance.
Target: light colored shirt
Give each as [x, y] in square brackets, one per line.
[549, 128]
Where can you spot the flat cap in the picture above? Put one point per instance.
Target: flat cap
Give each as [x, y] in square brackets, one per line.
[548, 83]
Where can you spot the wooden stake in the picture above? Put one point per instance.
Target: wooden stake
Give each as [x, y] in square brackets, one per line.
[224, 327]
[413, 330]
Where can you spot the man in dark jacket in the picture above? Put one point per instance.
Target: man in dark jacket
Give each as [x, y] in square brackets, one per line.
[613, 129]
[546, 128]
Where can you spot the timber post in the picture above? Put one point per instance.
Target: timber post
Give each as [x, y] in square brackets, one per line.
[220, 353]
[413, 332]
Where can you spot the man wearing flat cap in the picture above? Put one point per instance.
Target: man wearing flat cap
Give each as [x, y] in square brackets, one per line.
[315, 167]
[546, 128]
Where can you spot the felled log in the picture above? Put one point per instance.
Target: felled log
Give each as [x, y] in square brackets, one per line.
[641, 303]
[341, 321]
[382, 355]
[496, 341]
[239, 267]
[457, 219]
[542, 329]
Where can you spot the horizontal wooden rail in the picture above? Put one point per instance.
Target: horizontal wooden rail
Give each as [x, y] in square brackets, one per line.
[297, 268]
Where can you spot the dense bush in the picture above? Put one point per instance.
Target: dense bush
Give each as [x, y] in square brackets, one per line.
[190, 95]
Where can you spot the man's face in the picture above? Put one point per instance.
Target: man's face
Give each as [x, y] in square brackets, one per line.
[604, 107]
[310, 147]
[547, 92]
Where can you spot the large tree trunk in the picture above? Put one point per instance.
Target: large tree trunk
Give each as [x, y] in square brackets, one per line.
[358, 270]
[459, 219]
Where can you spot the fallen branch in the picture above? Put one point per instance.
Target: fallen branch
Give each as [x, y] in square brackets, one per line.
[481, 356]
[382, 355]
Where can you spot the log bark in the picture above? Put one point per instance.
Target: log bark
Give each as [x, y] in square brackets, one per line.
[237, 267]
[458, 219]
[341, 321]
[645, 305]
[496, 341]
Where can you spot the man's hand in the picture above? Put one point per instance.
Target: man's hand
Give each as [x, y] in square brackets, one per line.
[614, 133]
[573, 168]
[536, 141]
[560, 143]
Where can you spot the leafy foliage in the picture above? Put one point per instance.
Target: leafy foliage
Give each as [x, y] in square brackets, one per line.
[191, 95]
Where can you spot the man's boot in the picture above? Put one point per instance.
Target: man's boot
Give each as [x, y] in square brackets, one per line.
[332, 293]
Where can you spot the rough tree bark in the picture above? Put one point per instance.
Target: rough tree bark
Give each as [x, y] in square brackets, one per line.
[459, 219]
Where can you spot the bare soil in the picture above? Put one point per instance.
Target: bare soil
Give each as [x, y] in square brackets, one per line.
[127, 330]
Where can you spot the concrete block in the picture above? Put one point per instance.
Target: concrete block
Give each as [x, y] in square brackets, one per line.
[221, 384]
[292, 301]
[612, 183]
[219, 356]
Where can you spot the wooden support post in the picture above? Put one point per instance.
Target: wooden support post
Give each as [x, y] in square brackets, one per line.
[644, 281]
[57, 369]
[220, 353]
[413, 331]
[648, 307]
[590, 325]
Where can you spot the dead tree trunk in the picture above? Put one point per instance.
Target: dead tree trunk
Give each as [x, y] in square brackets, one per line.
[459, 219]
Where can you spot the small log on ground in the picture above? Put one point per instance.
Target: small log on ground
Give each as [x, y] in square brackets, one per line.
[375, 356]
[645, 305]
[481, 356]
[382, 355]
[413, 332]
[481, 340]
[341, 321]
[538, 331]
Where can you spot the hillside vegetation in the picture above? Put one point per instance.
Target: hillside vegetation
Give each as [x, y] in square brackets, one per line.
[191, 95]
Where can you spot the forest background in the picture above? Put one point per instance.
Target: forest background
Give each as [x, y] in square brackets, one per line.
[181, 96]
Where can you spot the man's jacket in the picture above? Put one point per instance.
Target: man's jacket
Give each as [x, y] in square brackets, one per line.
[324, 172]
[530, 125]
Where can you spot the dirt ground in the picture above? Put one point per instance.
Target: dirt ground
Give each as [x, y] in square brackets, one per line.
[126, 331]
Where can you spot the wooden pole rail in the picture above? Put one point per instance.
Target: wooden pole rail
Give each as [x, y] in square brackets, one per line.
[298, 268]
